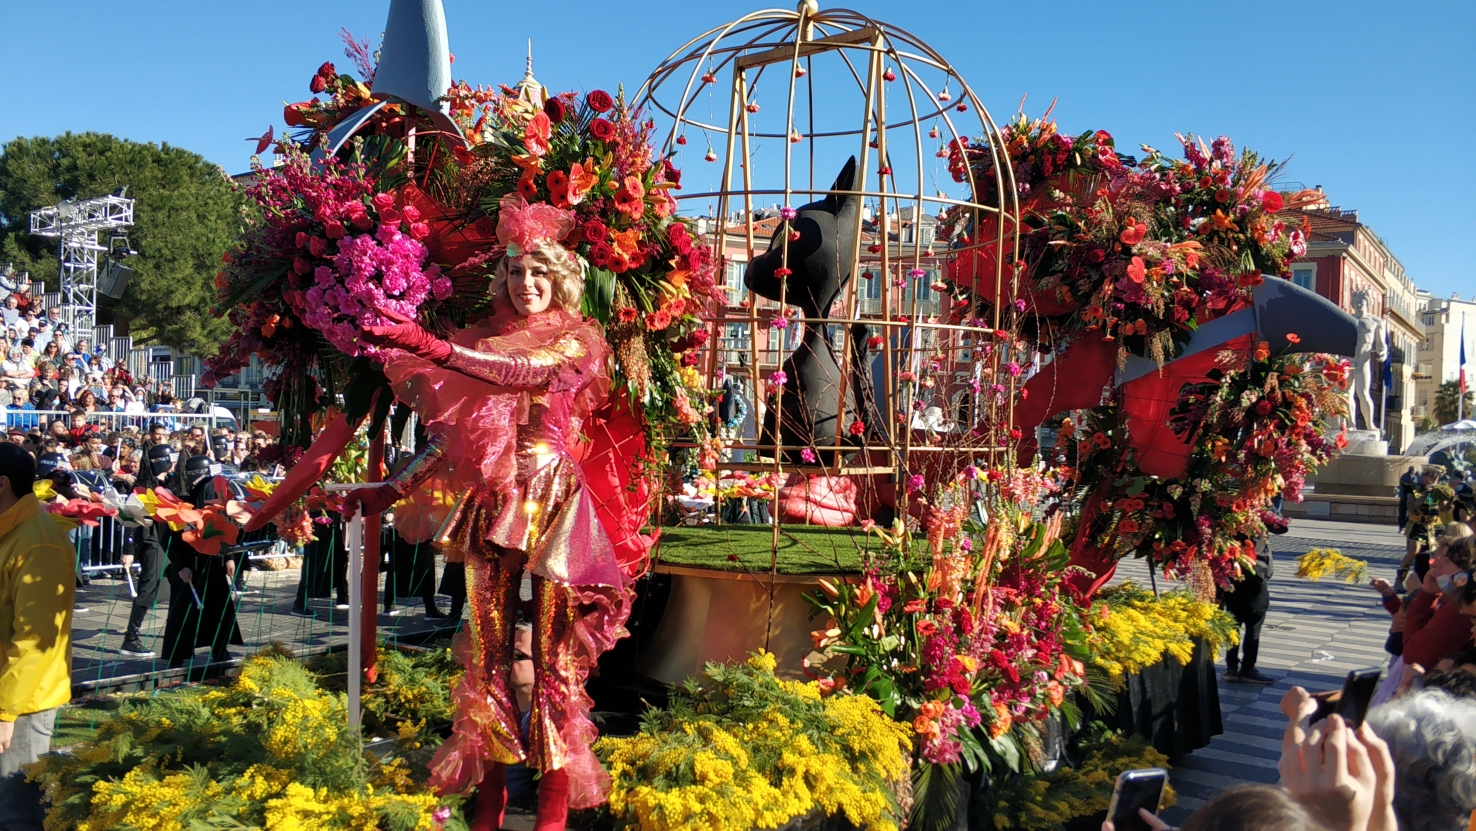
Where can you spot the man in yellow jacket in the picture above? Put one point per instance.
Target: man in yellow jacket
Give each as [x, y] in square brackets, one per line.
[37, 592]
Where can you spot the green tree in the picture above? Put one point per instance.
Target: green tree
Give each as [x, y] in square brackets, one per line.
[185, 214]
[1446, 409]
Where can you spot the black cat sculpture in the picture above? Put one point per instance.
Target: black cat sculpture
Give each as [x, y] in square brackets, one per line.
[821, 262]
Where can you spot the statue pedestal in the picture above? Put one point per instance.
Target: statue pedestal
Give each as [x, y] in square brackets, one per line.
[1366, 443]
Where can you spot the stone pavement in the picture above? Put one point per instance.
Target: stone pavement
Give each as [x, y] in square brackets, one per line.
[1314, 633]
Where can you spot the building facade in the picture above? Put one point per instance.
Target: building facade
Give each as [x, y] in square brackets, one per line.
[1445, 320]
[1345, 257]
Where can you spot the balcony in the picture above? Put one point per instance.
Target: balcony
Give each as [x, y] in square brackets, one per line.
[1417, 411]
[1421, 372]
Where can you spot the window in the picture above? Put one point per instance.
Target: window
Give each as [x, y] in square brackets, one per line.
[1425, 345]
[1305, 277]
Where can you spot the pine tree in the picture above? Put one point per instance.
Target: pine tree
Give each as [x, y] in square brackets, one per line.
[185, 216]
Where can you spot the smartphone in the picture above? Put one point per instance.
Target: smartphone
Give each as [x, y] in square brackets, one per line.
[1142, 788]
[1358, 690]
[1351, 702]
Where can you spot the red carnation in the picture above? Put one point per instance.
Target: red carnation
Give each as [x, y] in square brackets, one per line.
[554, 109]
[602, 130]
[1271, 201]
[595, 231]
[599, 101]
[601, 255]
[856, 428]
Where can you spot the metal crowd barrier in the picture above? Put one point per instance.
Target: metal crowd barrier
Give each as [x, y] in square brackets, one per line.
[28, 419]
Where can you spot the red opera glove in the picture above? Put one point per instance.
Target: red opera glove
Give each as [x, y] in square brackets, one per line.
[369, 501]
[410, 337]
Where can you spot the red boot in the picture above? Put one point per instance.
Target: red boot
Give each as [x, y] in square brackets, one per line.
[553, 801]
[490, 801]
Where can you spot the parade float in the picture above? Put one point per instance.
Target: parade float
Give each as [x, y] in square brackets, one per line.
[887, 403]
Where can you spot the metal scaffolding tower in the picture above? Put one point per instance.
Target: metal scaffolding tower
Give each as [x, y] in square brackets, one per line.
[75, 226]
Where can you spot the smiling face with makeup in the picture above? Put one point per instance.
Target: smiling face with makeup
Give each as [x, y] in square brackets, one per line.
[529, 284]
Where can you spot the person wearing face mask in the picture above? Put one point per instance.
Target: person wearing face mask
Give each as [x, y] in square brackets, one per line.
[1434, 626]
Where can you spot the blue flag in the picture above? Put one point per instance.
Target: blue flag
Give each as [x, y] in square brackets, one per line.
[1388, 363]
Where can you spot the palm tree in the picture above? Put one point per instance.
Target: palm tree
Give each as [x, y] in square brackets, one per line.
[1446, 410]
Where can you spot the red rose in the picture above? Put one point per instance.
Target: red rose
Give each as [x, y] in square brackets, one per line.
[599, 101]
[318, 84]
[419, 230]
[601, 255]
[679, 238]
[1271, 201]
[554, 109]
[595, 231]
[602, 130]
[334, 229]
[327, 70]
[1096, 255]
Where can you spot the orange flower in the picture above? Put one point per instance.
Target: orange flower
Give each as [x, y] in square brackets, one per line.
[528, 186]
[582, 177]
[214, 530]
[1221, 222]
[626, 243]
[1263, 350]
[1002, 721]
[1055, 693]
[631, 198]
[1293, 337]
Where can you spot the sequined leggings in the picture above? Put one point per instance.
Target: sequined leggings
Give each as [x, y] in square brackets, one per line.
[557, 681]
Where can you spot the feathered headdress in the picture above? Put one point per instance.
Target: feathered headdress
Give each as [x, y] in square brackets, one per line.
[522, 226]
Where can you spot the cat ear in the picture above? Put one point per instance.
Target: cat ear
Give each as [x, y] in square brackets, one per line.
[845, 181]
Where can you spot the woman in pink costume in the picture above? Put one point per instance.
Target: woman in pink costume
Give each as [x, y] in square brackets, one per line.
[502, 400]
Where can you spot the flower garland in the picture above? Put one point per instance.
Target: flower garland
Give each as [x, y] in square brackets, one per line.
[1132, 629]
[1142, 251]
[1323, 562]
[738, 749]
[1258, 428]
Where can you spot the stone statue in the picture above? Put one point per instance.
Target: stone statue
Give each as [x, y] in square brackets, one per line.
[1371, 344]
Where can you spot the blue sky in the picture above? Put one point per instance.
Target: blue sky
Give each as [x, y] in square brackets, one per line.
[1375, 101]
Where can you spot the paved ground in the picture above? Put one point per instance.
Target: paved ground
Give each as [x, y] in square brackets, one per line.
[98, 633]
[1314, 633]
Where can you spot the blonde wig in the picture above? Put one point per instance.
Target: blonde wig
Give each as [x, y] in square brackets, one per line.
[566, 271]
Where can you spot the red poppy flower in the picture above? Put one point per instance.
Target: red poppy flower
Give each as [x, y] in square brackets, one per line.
[1293, 337]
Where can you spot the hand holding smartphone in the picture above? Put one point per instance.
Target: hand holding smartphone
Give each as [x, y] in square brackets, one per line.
[1352, 702]
[1142, 788]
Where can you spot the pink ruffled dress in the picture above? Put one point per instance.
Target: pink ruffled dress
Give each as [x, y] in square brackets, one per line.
[498, 489]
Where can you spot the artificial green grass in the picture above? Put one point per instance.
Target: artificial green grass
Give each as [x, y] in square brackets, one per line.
[803, 549]
[79, 722]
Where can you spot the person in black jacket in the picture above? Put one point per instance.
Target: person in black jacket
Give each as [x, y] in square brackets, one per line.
[1248, 602]
[201, 610]
[142, 544]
